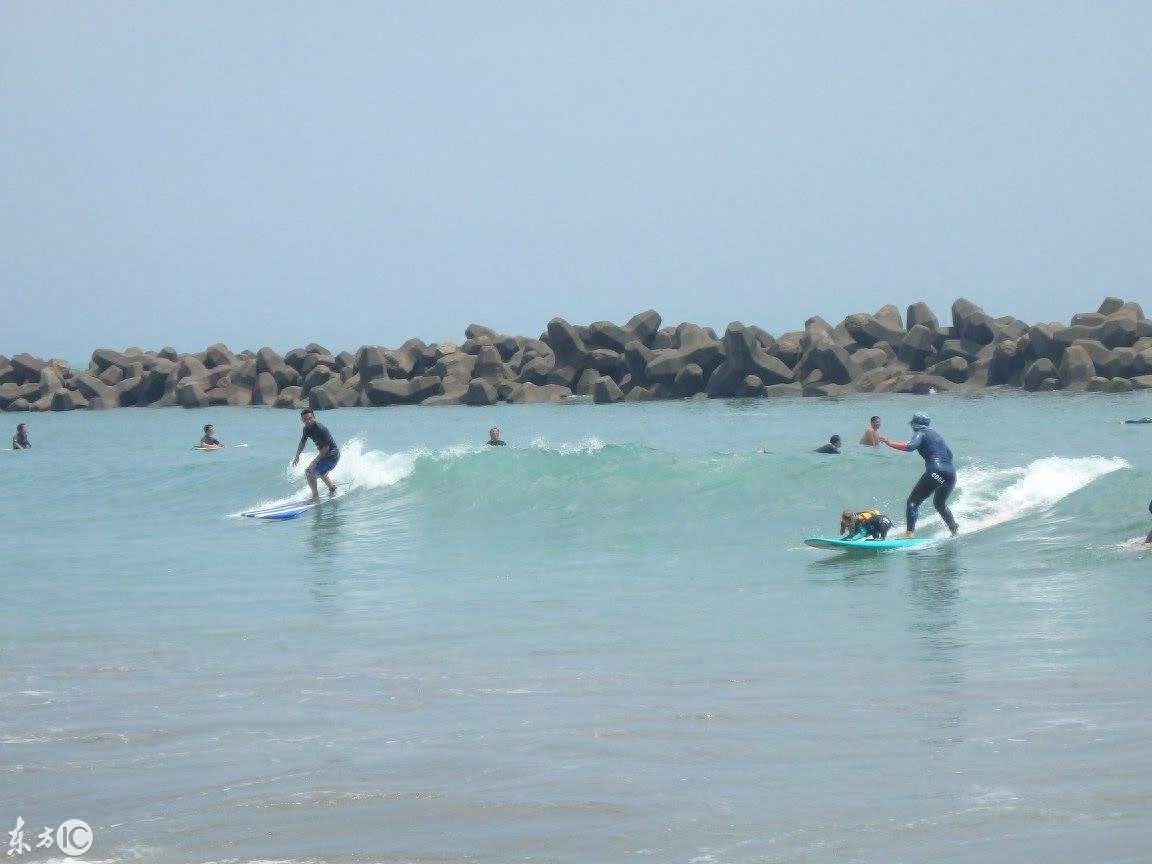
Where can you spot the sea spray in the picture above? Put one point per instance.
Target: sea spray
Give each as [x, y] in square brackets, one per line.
[991, 496]
[361, 468]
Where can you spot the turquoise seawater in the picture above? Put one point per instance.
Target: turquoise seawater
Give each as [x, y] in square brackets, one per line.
[605, 642]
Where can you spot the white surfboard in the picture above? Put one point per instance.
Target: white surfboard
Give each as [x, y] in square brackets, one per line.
[292, 509]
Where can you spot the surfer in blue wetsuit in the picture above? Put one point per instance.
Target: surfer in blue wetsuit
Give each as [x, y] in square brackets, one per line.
[325, 460]
[939, 477]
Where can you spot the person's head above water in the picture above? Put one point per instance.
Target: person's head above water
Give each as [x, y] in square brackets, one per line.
[308, 416]
[921, 421]
[875, 421]
[494, 433]
[21, 426]
[834, 440]
[207, 428]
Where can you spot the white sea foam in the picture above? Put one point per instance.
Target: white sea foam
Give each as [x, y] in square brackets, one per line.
[360, 468]
[991, 496]
[587, 445]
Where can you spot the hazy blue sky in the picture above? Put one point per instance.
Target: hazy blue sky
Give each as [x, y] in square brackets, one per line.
[360, 172]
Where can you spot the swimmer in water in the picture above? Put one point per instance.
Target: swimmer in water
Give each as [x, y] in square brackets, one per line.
[833, 446]
[871, 436]
[20, 439]
[939, 477]
[870, 525]
[210, 441]
[494, 437]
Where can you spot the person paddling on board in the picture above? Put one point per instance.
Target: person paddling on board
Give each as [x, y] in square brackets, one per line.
[325, 460]
[210, 441]
[494, 438]
[20, 439]
[870, 524]
[939, 477]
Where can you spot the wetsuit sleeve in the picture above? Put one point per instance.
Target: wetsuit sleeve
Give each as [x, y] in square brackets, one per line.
[908, 446]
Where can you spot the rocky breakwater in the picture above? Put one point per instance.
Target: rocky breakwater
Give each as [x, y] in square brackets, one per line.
[884, 352]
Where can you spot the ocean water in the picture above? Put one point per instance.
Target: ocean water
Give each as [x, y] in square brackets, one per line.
[605, 642]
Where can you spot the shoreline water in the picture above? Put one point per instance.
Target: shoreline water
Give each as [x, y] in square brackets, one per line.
[1109, 350]
[604, 641]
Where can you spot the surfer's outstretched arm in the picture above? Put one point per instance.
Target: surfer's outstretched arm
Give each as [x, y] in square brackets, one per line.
[906, 446]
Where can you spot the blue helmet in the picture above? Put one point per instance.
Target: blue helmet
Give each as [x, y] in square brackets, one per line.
[921, 421]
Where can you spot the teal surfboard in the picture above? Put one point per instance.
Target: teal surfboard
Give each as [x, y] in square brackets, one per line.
[864, 545]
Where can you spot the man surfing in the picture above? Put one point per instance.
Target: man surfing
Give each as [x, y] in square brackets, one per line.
[325, 460]
[939, 477]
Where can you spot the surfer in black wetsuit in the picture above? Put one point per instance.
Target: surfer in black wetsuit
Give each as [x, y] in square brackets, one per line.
[833, 446]
[494, 439]
[20, 439]
[209, 441]
[939, 477]
[870, 524]
[1148, 539]
[325, 460]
